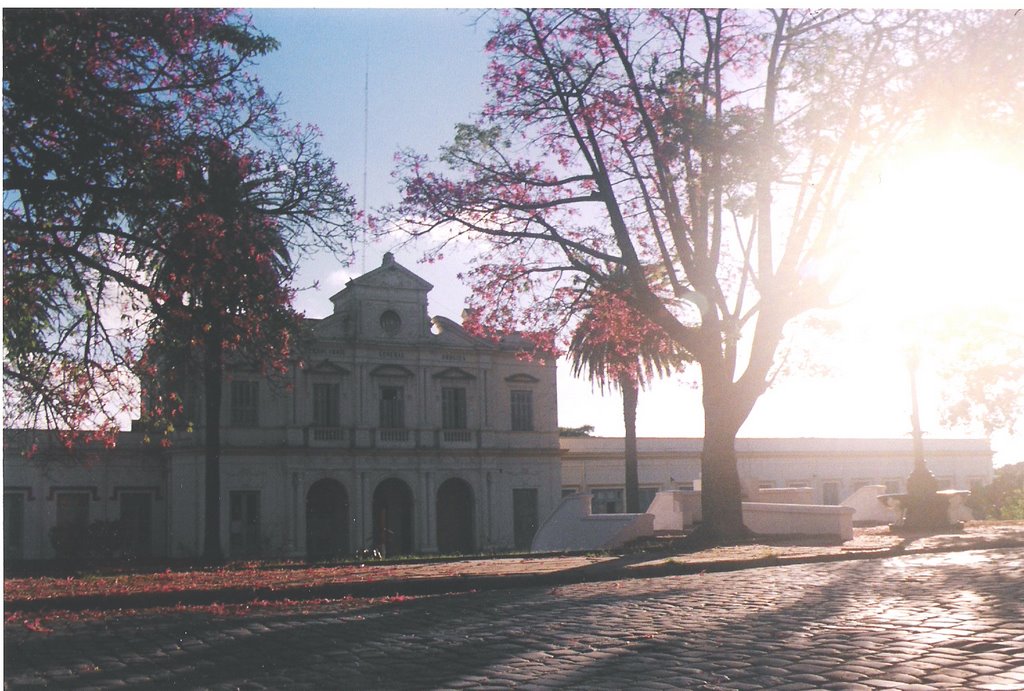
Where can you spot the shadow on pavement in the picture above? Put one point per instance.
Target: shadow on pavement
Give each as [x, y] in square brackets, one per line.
[708, 631]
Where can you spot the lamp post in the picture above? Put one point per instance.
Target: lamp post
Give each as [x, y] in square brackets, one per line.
[925, 509]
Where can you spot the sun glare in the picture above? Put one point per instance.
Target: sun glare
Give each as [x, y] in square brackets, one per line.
[935, 245]
[943, 233]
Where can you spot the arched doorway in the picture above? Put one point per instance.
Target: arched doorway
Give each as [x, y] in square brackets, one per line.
[455, 517]
[392, 517]
[326, 520]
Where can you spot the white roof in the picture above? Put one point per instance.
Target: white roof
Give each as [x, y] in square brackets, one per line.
[773, 445]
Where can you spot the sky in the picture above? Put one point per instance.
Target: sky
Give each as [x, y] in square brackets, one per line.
[378, 81]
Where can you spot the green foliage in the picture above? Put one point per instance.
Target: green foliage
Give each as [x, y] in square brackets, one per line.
[472, 139]
[244, 41]
[1012, 508]
[582, 431]
[1003, 498]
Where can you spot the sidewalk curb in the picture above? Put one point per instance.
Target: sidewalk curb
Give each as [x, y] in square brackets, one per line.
[606, 571]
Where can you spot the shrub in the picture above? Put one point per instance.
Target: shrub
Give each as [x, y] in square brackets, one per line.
[99, 541]
[1012, 508]
[1003, 498]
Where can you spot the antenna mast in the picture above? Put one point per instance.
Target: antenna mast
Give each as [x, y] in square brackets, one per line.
[366, 148]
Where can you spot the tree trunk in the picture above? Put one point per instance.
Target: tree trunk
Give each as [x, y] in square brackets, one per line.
[213, 383]
[721, 501]
[630, 398]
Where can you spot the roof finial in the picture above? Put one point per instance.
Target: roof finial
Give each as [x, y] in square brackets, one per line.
[389, 258]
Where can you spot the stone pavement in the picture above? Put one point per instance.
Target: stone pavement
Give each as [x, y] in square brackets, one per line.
[919, 620]
[297, 581]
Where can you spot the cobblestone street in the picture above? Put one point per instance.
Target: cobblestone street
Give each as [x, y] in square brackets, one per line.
[952, 620]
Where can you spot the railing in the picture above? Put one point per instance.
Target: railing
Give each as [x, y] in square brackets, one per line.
[456, 436]
[394, 435]
[325, 436]
[328, 433]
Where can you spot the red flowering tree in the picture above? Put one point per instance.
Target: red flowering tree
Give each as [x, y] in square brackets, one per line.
[91, 98]
[102, 111]
[718, 146]
[617, 347]
[153, 194]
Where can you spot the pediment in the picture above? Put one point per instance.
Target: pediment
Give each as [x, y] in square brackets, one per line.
[390, 371]
[521, 378]
[389, 276]
[454, 374]
[326, 367]
[394, 276]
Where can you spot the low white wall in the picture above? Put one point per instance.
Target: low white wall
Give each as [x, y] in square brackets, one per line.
[799, 519]
[572, 528]
[868, 508]
[957, 510]
[675, 509]
[783, 495]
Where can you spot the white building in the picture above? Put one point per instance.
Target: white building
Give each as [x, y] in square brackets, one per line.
[396, 431]
[406, 432]
[832, 468]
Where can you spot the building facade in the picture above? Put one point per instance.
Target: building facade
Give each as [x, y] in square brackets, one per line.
[396, 431]
[403, 433]
[832, 468]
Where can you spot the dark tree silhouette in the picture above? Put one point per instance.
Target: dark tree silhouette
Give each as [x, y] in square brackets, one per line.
[156, 203]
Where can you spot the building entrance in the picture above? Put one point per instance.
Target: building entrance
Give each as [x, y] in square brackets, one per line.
[392, 518]
[326, 520]
[455, 517]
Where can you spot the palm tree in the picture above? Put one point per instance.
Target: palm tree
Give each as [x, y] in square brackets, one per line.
[224, 275]
[616, 346]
